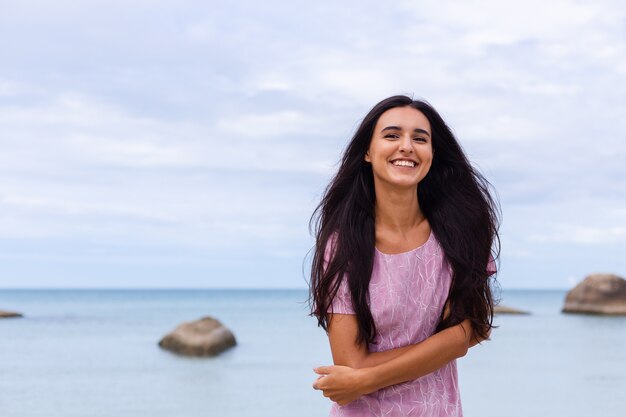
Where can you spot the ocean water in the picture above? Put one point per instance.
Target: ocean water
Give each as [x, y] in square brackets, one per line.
[94, 353]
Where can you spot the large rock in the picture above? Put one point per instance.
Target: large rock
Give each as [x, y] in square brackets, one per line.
[598, 294]
[8, 314]
[203, 337]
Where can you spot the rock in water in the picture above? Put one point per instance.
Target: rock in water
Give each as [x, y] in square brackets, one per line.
[8, 314]
[203, 337]
[499, 309]
[598, 294]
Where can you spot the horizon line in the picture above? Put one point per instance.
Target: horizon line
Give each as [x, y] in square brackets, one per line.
[226, 288]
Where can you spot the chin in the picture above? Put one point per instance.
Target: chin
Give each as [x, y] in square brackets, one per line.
[404, 184]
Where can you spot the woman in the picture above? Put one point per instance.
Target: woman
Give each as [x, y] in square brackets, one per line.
[400, 275]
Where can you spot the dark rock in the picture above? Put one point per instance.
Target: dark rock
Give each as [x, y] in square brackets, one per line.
[508, 310]
[597, 294]
[9, 314]
[203, 337]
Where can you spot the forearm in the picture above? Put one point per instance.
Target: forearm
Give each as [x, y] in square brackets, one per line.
[419, 359]
[377, 358]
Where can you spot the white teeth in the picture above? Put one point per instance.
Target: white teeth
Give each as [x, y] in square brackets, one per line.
[404, 163]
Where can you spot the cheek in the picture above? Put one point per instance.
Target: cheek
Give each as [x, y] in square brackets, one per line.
[426, 155]
[428, 164]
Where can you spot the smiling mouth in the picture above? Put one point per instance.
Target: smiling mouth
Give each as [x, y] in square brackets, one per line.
[403, 164]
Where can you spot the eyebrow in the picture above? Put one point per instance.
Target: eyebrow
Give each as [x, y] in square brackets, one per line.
[397, 128]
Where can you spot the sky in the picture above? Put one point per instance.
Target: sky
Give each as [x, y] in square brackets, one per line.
[162, 144]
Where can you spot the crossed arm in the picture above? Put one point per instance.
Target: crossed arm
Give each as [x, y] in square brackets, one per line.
[358, 372]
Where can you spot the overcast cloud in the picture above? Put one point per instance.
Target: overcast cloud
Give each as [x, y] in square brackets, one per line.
[185, 144]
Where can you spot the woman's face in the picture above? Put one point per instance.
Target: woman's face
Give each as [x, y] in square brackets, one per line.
[401, 150]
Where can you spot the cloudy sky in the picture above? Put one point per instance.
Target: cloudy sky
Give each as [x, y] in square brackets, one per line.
[186, 143]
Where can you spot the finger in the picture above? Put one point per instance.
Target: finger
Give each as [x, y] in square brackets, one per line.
[317, 384]
[322, 369]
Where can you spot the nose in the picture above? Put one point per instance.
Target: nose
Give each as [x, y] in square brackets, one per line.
[405, 144]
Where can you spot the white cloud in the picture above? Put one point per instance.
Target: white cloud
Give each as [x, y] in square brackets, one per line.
[202, 31]
[218, 125]
[569, 233]
[262, 126]
[10, 88]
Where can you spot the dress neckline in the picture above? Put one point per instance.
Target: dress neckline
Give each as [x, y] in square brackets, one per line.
[430, 236]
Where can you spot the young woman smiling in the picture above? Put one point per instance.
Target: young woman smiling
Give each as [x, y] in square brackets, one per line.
[400, 279]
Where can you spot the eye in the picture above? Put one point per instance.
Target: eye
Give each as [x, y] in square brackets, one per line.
[422, 139]
[391, 135]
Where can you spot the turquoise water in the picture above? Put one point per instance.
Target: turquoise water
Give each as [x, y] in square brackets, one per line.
[94, 353]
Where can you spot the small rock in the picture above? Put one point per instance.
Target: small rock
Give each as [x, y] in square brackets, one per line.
[9, 314]
[597, 294]
[508, 310]
[203, 337]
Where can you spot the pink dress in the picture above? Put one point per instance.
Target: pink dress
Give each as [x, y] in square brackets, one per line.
[407, 293]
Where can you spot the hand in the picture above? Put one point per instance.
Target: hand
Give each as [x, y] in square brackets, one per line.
[341, 384]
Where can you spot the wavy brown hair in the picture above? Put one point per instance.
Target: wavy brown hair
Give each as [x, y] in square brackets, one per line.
[454, 197]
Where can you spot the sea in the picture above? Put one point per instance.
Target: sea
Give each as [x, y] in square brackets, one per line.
[95, 353]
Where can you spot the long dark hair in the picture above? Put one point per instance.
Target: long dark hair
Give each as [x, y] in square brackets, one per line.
[453, 196]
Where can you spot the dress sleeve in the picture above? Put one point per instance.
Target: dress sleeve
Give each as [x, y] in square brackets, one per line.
[342, 303]
[491, 266]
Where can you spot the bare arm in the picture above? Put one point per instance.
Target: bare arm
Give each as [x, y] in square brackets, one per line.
[342, 331]
[344, 384]
[358, 372]
[422, 359]
[342, 334]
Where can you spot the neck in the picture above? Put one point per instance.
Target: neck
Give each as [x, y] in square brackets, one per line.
[397, 209]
